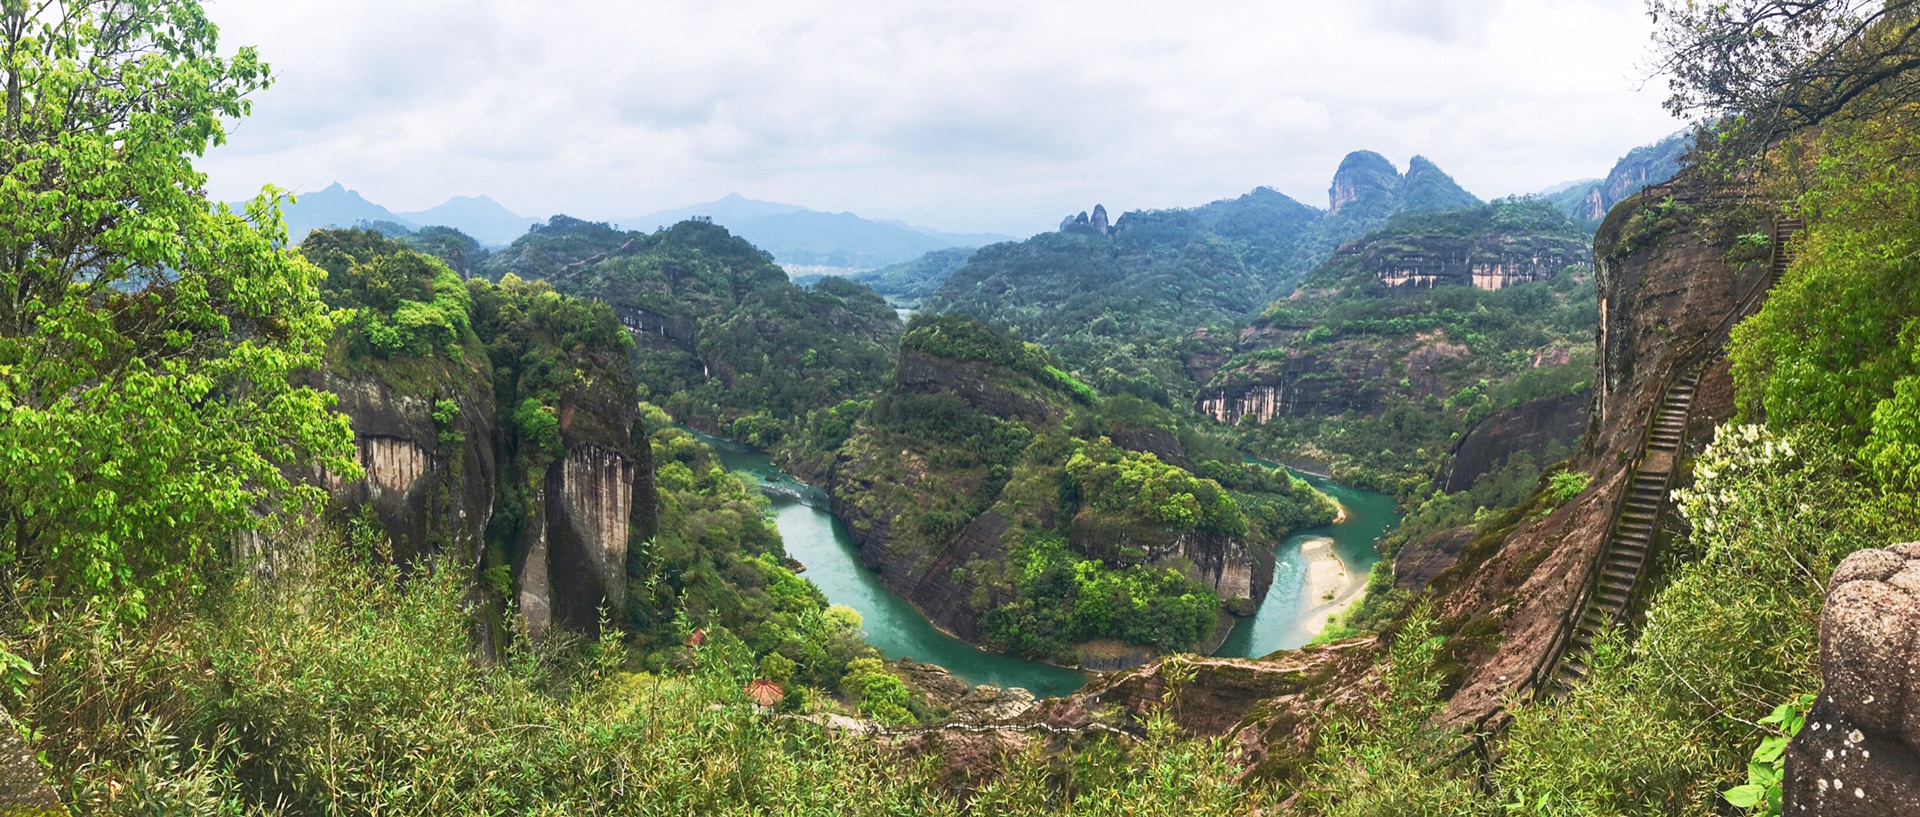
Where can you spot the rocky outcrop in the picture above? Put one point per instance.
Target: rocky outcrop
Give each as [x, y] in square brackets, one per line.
[430, 483]
[1667, 291]
[1859, 752]
[1366, 179]
[1423, 560]
[1302, 381]
[590, 501]
[1269, 708]
[647, 325]
[1488, 262]
[981, 385]
[23, 789]
[1226, 564]
[1540, 429]
[435, 477]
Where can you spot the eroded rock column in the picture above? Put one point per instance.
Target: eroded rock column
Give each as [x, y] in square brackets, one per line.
[1859, 753]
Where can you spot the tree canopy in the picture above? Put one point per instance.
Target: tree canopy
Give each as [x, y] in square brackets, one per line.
[148, 339]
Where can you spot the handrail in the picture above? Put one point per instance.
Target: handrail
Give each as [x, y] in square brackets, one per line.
[1539, 680]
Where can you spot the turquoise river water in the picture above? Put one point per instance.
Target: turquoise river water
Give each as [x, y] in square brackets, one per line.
[818, 540]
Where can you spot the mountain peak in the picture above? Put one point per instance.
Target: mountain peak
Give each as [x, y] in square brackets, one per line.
[1426, 187]
[1365, 178]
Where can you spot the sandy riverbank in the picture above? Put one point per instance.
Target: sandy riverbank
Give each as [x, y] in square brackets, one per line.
[1331, 587]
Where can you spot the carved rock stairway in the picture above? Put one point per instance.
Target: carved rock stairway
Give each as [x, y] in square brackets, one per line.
[1785, 248]
[1631, 543]
[1623, 562]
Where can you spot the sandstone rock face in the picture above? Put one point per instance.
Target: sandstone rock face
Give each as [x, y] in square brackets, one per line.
[1364, 176]
[1306, 382]
[1421, 561]
[434, 486]
[1859, 753]
[590, 508]
[1540, 429]
[1226, 564]
[1664, 284]
[430, 498]
[653, 327]
[972, 382]
[1270, 708]
[1490, 263]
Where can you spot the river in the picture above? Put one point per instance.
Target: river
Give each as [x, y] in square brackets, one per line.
[818, 540]
[1286, 619]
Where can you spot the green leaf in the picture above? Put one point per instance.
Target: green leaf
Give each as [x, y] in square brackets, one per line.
[1747, 796]
[1770, 750]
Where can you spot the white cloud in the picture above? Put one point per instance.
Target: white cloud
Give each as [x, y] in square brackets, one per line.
[988, 114]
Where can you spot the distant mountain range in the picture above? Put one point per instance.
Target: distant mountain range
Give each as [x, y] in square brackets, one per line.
[796, 236]
[477, 216]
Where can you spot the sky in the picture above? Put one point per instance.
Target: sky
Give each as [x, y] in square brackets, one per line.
[978, 115]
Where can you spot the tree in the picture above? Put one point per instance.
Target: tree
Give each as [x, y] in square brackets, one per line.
[149, 341]
[1781, 65]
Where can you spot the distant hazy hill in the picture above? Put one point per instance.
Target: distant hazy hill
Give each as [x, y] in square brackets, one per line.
[477, 216]
[909, 281]
[798, 236]
[1588, 202]
[336, 206]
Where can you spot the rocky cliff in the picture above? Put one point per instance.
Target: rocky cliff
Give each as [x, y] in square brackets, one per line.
[1407, 336]
[1546, 430]
[1641, 167]
[430, 484]
[1668, 292]
[512, 447]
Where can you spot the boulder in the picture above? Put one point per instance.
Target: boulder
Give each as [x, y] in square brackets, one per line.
[1859, 753]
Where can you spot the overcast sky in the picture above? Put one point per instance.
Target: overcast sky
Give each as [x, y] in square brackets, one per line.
[961, 115]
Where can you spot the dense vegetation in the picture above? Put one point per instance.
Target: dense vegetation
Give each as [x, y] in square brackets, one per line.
[727, 343]
[1122, 307]
[1725, 658]
[1405, 370]
[981, 422]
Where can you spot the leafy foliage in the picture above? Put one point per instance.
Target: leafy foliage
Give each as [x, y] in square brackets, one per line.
[330, 688]
[1062, 598]
[148, 338]
[724, 336]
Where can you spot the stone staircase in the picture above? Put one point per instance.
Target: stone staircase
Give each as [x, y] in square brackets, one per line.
[1785, 248]
[1624, 559]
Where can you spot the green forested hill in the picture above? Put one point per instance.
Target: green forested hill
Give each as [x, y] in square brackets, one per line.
[1406, 337]
[1022, 510]
[1120, 303]
[727, 342]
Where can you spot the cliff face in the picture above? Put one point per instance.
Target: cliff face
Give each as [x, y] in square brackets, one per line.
[1488, 262]
[1667, 293]
[1541, 429]
[431, 487]
[1382, 321]
[435, 490]
[499, 434]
